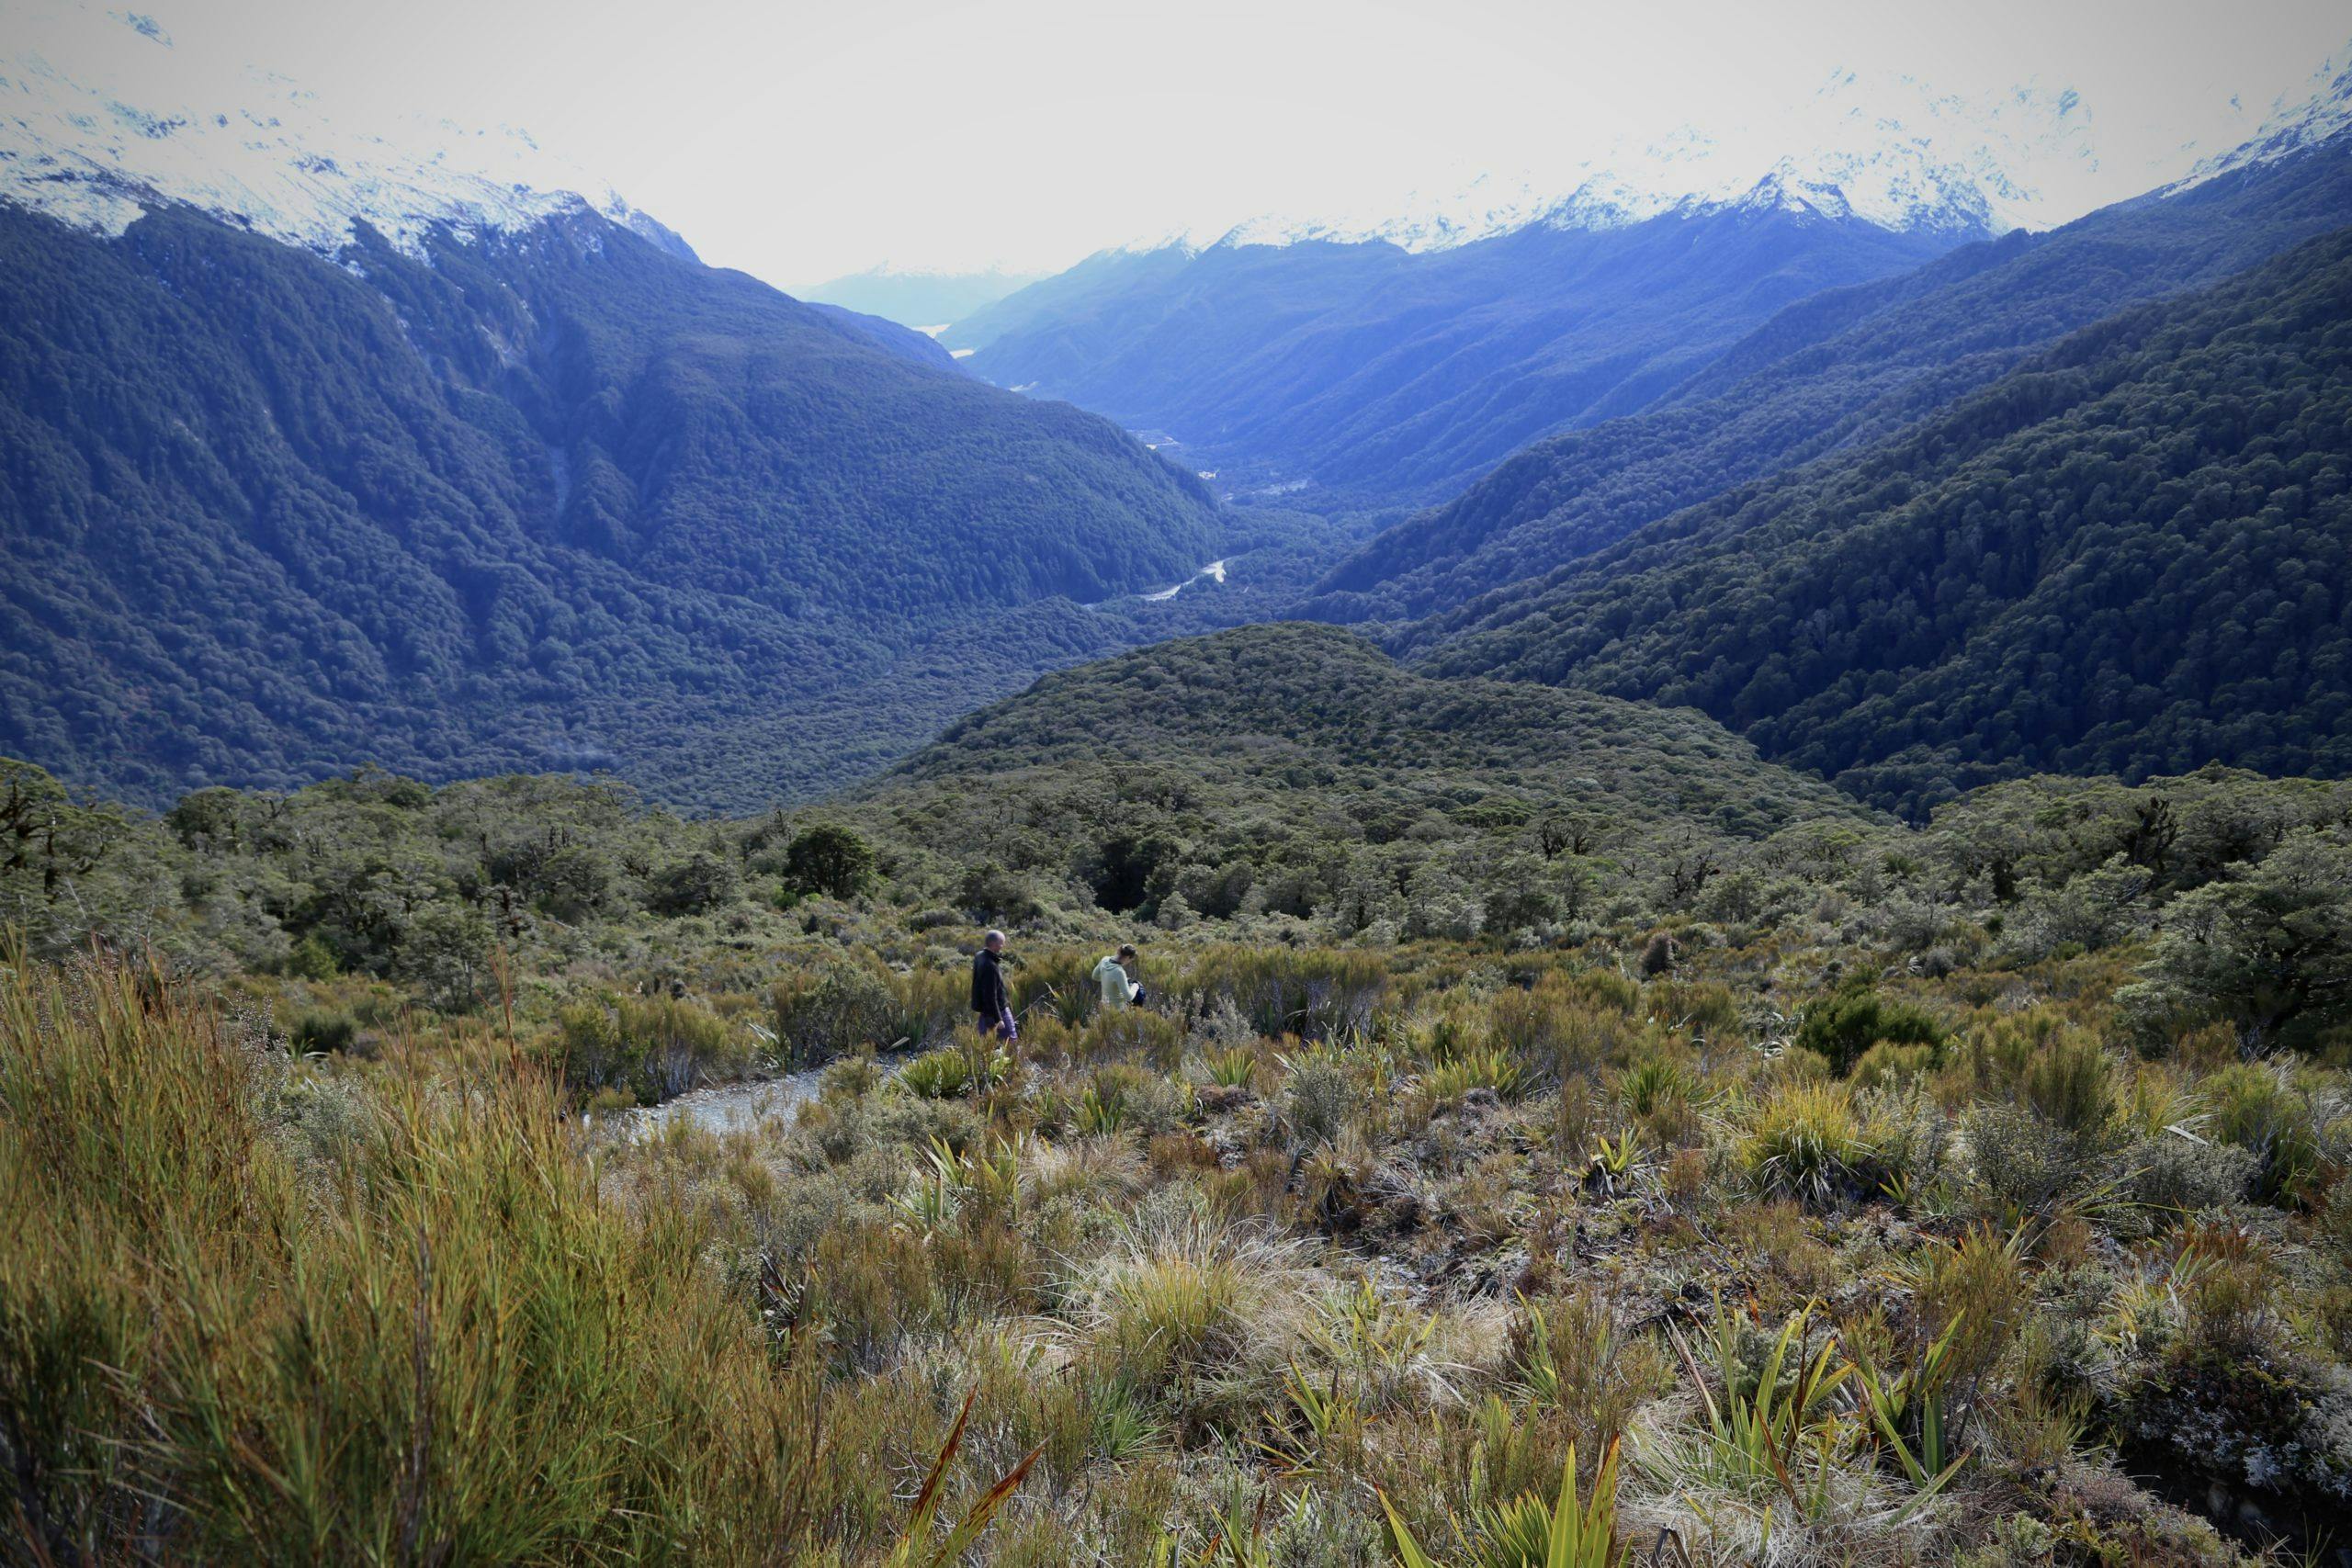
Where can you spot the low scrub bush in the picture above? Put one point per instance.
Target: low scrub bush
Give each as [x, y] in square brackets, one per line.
[1319, 995]
[654, 1047]
[1848, 1024]
[842, 1007]
[2258, 1108]
[323, 1028]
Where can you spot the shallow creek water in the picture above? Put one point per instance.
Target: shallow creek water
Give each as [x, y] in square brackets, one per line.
[723, 1107]
[727, 1107]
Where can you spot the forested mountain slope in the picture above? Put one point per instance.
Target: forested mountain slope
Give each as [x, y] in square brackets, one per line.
[2131, 554]
[1831, 372]
[1372, 370]
[542, 498]
[905, 342]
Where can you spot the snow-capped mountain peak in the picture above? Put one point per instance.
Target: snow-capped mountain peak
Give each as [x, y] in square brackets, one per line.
[97, 123]
[2321, 114]
[1891, 153]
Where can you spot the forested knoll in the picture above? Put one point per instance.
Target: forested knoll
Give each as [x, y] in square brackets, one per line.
[1294, 768]
[557, 499]
[2129, 554]
[1298, 704]
[1832, 372]
[1291, 767]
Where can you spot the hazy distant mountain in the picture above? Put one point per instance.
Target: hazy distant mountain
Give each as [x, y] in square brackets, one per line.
[1401, 357]
[1834, 371]
[924, 300]
[320, 453]
[1369, 371]
[904, 342]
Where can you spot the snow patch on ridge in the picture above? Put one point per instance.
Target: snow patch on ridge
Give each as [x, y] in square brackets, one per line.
[2294, 125]
[98, 122]
[1891, 153]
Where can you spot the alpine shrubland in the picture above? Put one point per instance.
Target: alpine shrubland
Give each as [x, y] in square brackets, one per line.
[1505, 1162]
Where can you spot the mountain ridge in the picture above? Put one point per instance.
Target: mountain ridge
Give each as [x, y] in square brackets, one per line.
[2125, 555]
[1837, 369]
[1369, 370]
[97, 125]
[561, 498]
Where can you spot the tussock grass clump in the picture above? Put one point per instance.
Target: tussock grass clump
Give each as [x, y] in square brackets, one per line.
[942, 1074]
[1807, 1142]
[1183, 1297]
[1494, 1070]
[1890, 1066]
[1236, 1067]
[1320, 1096]
[2261, 1109]
[1654, 1083]
[2069, 1084]
[653, 1047]
[446, 1348]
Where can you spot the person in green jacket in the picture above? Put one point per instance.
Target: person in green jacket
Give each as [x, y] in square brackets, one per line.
[1115, 974]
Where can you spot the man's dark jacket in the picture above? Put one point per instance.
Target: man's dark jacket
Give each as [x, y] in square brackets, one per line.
[988, 998]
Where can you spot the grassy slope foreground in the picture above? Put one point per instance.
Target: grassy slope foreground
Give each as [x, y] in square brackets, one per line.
[1820, 1188]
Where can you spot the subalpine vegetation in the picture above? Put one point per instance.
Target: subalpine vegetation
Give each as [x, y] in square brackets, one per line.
[1500, 1172]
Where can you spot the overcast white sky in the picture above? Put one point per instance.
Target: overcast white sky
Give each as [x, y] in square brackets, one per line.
[799, 141]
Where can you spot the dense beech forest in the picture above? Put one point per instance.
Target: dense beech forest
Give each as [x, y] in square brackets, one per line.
[558, 499]
[2128, 554]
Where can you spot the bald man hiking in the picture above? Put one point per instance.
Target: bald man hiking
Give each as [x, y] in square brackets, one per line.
[992, 998]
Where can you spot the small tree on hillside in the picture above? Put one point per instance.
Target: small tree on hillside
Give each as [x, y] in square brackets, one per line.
[828, 859]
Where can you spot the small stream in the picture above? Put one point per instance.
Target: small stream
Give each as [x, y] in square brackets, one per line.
[731, 1107]
[721, 1108]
